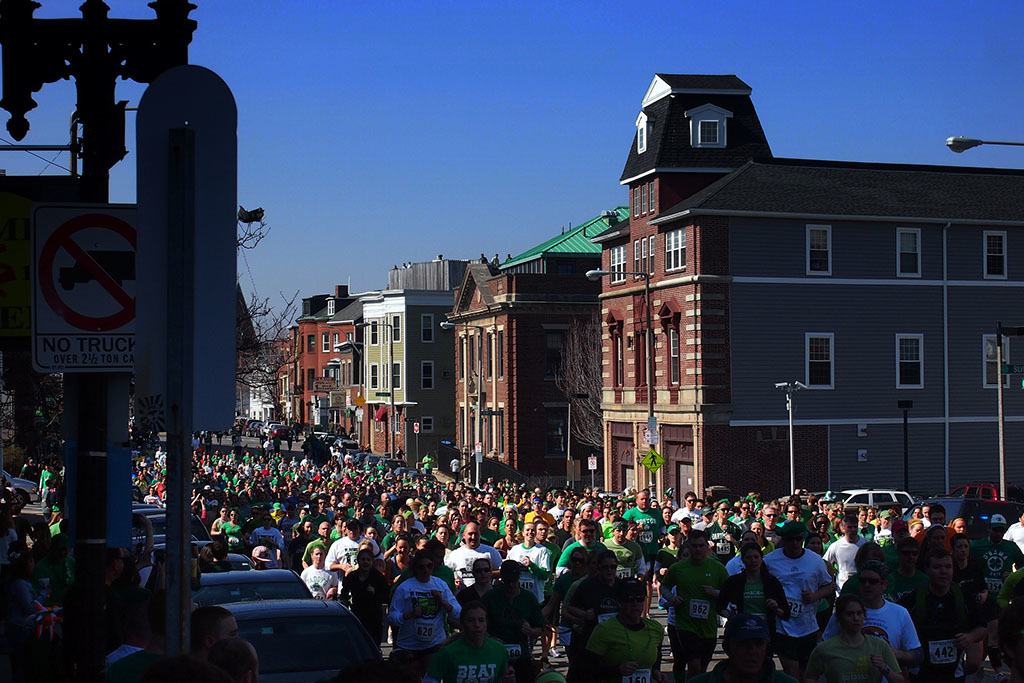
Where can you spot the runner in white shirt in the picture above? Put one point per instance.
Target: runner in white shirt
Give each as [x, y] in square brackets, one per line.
[322, 584]
[844, 549]
[268, 535]
[1016, 533]
[536, 561]
[460, 560]
[418, 610]
[806, 581]
[341, 557]
[886, 620]
[688, 510]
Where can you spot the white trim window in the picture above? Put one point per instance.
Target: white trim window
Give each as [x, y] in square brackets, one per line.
[617, 263]
[426, 374]
[427, 328]
[636, 257]
[396, 375]
[819, 249]
[819, 368]
[643, 197]
[908, 252]
[427, 424]
[650, 250]
[910, 361]
[636, 202]
[995, 254]
[374, 333]
[325, 342]
[641, 133]
[643, 257]
[990, 361]
[673, 352]
[374, 376]
[330, 307]
[396, 328]
[675, 249]
[651, 205]
[707, 133]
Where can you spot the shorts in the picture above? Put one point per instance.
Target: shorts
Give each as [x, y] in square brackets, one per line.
[564, 635]
[688, 646]
[400, 656]
[794, 648]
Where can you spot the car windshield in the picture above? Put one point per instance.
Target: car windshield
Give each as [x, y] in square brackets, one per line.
[246, 592]
[286, 644]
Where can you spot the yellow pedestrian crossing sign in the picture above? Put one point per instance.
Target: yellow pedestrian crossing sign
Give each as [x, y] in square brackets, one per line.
[652, 461]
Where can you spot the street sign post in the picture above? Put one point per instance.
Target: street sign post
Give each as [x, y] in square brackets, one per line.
[651, 437]
[83, 303]
[652, 461]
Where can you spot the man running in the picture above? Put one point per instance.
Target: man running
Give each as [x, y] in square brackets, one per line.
[647, 524]
[460, 560]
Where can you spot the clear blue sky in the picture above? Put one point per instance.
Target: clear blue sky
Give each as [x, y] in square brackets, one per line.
[375, 134]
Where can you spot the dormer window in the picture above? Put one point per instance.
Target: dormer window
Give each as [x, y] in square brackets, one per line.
[330, 307]
[642, 130]
[707, 125]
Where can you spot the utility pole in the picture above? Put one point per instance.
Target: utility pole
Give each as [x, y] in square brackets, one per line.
[95, 51]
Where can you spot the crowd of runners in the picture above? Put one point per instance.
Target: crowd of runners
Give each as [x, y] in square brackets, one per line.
[507, 582]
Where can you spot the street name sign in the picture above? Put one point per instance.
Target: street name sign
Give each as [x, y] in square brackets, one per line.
[83, 296]
[324, 384]
[1013, 369]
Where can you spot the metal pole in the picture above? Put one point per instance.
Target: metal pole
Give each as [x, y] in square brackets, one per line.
[591, 480]
[792, 459]
[479, 398]
[180, 293]
[906, 450]
[1001, 415]
[650, 358]
[568, 446]
[393, 419]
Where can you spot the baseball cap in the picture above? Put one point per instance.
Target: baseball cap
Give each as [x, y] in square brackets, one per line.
[672, 528]
[885, 514]
[261, 553]
[630, 588]
[747, 627]
[876, 566]
[793, 529]
[550, 676]
[511, 567]
[997, 520]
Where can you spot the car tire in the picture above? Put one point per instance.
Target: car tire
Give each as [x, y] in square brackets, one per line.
[24, 497]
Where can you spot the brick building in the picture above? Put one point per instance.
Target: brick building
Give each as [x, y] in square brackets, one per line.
[872, 284]
[511, 323]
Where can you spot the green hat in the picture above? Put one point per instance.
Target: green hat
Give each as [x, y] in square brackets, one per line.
[673, 528]
[278, 506]
[793, 529]
[885, 514]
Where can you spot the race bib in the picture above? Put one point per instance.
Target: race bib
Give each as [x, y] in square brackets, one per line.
[942, 651]
[646, 537]
[515, 651]
[638, 676]
[796, 608]
[723, 548]
[699, 609]
[994, 585]
[424, 631]
[526, 583]
[605, 617]
[623, 573]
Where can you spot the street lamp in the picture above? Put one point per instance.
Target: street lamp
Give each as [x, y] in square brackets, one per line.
[392, 422]
[905, 406]
[448, 325]
[596, 275]
[960, 144]
[791, 388]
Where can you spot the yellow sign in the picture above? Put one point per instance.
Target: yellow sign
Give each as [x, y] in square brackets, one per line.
[652, 461]
[359, 401]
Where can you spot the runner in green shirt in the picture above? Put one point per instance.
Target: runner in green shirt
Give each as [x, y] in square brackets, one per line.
[471, 657]
[514, 617]
[627, 553]
[906, 577]
[697, 582]
[723, 535]
[627, 647]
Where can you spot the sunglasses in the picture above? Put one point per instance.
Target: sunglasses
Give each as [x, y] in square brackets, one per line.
[634, 598]
[770, 515]
[867, 581]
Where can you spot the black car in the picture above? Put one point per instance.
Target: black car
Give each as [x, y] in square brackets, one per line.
[221, 588]
[976, 512]
[302, 640]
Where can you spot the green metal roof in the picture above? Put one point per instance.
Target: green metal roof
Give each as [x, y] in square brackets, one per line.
[575, 241]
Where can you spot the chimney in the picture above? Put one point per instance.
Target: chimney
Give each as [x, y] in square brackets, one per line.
[340, 291]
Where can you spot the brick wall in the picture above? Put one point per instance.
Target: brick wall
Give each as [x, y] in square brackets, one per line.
[735, 458]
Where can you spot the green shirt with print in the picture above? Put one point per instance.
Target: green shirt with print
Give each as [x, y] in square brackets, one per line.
[696, 613]
[458, 662]
[647, 526]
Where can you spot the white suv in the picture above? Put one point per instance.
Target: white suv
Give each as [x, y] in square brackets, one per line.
[879, 498]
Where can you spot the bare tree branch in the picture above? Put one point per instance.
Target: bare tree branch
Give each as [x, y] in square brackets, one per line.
[581, 374]
[251, 228]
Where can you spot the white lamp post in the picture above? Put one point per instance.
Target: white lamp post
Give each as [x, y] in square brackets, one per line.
[791, 388]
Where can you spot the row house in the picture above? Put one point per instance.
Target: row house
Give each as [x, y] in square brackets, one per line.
[313, 341]
[511, 326]
[407, 360]
[877, 286]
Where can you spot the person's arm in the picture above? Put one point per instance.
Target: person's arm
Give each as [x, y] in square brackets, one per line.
[1007, 591]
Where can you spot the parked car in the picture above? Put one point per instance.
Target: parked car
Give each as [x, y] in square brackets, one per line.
[157, 517]
[236, 561]
[221, 588]
[280, 431]
[282, 631]
[254, 428]
[26, 489]
[975, 511]
[879, 498]
[987, 490]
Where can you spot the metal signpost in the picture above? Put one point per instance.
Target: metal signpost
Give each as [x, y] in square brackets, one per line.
[1003, 370]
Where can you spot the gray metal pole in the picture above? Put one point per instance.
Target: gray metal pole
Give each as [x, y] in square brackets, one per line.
[792, 459]
[180, 293]
[650, 358]
[569, 473]
[1001, 415]
[479, 397]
